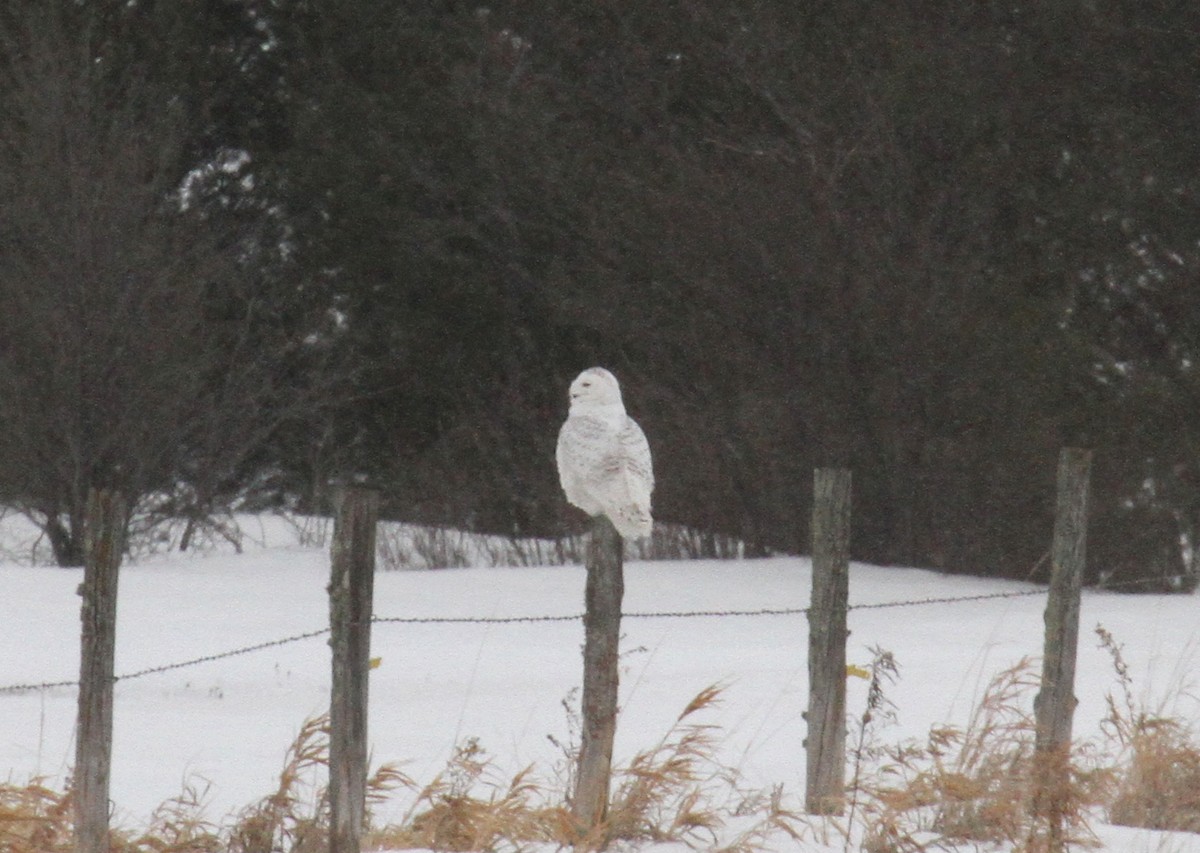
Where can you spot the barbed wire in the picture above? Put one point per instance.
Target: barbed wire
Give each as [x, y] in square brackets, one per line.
[471, 620]
[577, 617]
[573, 617]
[914, 602]
[45, 685]
[152, 670]
[245, 650]
[687, 614]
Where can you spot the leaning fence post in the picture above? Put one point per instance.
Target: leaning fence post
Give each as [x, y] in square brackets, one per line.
[1055, 703]
[825, 745]
[351, 585]
[104, 532]
[602, 632]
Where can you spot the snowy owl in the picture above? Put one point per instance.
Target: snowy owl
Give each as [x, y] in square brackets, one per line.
[603, 458]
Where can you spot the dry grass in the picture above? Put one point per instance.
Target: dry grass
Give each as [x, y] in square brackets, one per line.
[469, 806]
[666, 792]
[660, 795]
[976, 784]
[971, 786]
[677, 791]
[878, 711]
[179, 826]
[673, 791]
[1159, 784]
[34, 818]
[294, 817]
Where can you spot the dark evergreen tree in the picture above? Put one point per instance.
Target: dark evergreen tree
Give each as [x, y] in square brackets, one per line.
[932, 247]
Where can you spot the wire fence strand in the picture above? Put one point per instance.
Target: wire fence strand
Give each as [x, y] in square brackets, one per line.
[471, 620]
[573, 617]
[245, 650]
[30, 688]
[152, 670]
[916, 602]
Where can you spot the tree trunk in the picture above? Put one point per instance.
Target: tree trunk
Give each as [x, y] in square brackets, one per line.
[65, 543]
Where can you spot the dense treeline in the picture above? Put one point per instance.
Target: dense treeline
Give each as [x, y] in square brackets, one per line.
[266, 245]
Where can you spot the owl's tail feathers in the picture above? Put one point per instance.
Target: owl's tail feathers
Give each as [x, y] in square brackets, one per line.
[632, 521]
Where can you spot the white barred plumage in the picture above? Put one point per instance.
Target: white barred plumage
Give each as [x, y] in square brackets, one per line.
[603, 457]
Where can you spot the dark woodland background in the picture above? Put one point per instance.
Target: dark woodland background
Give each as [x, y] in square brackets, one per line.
[252, 249]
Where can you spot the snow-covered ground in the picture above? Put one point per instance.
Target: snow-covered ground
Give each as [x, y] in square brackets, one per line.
[227, 724]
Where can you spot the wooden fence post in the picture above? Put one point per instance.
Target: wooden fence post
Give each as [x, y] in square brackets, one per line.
[825, 745]
[602, 632]
[1055, 703]
[104, 533]
[351, 588]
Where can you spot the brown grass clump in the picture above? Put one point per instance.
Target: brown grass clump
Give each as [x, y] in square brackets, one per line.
[468, 806]
[1159, 784]
[295, 817]
[673, 791]
[976, 784]
[292, 819]
[34, 819]
[660, 795]
[178, 826]
[676, 791]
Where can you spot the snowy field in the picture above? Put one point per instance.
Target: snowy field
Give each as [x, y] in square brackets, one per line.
[225, 725]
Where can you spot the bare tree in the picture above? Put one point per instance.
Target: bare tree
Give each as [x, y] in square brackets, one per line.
[130, 353]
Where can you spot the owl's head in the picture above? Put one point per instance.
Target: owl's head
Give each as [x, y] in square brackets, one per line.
[595, 387]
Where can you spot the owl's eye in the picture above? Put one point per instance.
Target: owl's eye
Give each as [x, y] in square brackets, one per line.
[587, 384]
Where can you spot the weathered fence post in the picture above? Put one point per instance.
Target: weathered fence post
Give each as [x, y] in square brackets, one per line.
[1055, 703]
[602, 632]
[351, 587]
[825, 745]
[104, 542]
